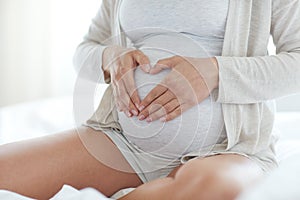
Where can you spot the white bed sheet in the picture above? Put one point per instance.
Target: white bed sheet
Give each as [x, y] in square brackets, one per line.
[35, 119]
[49, 116]
[66, 193]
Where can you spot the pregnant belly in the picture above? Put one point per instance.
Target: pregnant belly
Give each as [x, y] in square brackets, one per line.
[199, 127]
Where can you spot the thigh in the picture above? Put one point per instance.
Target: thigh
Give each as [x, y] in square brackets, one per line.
[216, 177]
[81, 158]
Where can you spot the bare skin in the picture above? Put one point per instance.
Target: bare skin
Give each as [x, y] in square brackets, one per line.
[220, 177]
[38, 168]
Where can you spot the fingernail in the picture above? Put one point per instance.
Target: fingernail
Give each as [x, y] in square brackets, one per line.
[134, 112]
[148, 119]
[128, 114]
[142, 117]
[163, 119]
[141, 108]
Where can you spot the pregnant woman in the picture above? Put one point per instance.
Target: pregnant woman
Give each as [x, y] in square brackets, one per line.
[188, 113]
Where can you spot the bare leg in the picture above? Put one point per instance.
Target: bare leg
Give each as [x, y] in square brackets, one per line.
[38, 168]
[217, 177]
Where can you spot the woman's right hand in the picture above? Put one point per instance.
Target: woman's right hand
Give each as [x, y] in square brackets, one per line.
[119, 64]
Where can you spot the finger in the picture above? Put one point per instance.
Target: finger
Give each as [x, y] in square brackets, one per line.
[158, 68]
[122, 107]
[129, 83]
[119, 104]
[175, 113]
[130, 87]
[130, 104]
[153, 94]
[157, 104]
[163, 111]
[165, 64]
[136, 101]
[142, 60]
[124, 99]
[115, 95]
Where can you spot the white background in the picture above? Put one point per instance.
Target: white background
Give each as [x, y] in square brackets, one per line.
[37, 42]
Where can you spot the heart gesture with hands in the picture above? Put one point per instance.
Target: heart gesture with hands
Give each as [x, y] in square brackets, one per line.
[189, 82]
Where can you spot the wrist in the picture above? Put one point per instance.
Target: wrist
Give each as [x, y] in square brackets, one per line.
[215, 62]
[213, 68]
[216, 67]
[108, 55]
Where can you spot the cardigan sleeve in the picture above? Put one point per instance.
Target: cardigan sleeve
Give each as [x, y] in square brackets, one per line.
[88, 55]
[245, 80]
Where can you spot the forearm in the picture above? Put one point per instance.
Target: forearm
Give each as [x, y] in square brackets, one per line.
[257, 78]
[244, 80]
[88, 61]
[88, 56]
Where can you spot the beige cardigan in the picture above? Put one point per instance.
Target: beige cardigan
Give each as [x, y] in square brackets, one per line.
[248, 78]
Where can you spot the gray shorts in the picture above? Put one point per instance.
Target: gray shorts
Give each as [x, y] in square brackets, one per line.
[150, 167]
[147, 166]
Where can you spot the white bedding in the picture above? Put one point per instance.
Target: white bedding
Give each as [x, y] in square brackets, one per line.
[49, 116]
[66, 193]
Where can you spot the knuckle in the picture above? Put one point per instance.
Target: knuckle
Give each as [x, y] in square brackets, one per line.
[152, 95]
[136, 51]
[162, 111]
[169, 117]
[177, 57]
[154, 116]
[128, 53]
[177, 112]
[158, 101]
[168, 107]
[174, 103]
[146, 101]
[170, 95]
[145, 113]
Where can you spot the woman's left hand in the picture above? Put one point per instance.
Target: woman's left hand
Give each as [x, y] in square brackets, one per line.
[190, 81]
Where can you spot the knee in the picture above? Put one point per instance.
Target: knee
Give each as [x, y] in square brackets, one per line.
[195, 181]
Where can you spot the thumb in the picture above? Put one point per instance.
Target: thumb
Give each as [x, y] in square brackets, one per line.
[142, 60]
[165, 64]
